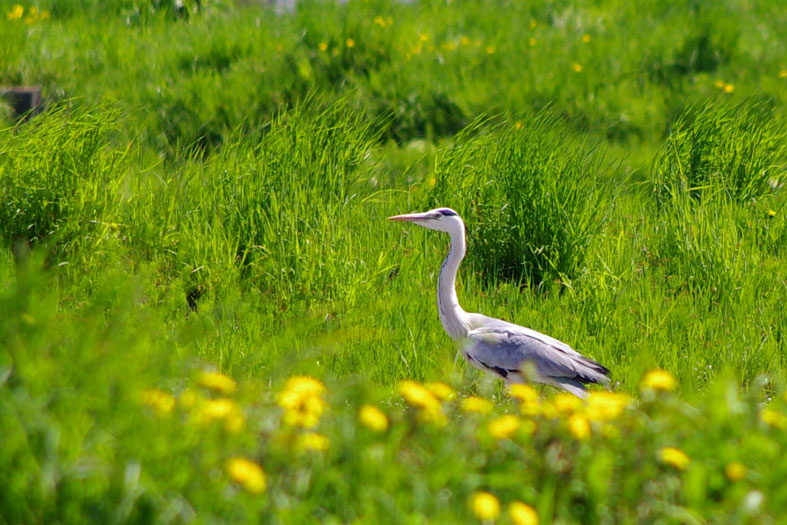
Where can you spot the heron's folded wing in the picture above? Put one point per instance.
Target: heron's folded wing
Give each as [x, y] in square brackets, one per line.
[509, 347]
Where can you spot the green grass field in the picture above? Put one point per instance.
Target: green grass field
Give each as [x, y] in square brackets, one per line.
[199, 214]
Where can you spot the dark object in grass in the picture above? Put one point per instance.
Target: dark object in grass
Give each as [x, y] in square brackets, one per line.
[24, 100]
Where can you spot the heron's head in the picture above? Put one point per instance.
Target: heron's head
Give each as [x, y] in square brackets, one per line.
[441, 219]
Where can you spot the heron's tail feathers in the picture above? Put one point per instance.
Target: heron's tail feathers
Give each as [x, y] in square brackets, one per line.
[571, 385]
[589, 371]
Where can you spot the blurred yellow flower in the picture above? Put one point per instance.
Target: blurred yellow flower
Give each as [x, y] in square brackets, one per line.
[323, 46]
[416, 395]
[522, 514]
[719, 84]
[517, 125]
[772, 213]
[490, 50]
[160, 401]
[659, 380]
[380, 21]
[579, 426]
[247, 474]
[301, 399]
[477, 405]
[576, 67]
[485, 506]
[605, 406]
[783, 73]
[464, 41]
[729, 88]
[423, 37]
[441, 391]
[313, 441]
[566, 403]
[548, 410]
[531, 42]
[373, 418]
[524, 393]
[504, 427]
[735, 471]
[586, 38]
[16, 12]
[773, 418]
[350, 42]
[674, 457]
[218, 382]
[533, 24]
[220, 409]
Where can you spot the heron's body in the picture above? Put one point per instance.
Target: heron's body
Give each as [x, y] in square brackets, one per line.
[497, 346]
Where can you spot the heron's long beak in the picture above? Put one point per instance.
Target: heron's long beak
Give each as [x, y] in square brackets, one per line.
[411, 217]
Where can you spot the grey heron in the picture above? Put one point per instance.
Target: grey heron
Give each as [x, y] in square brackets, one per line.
[496, 346]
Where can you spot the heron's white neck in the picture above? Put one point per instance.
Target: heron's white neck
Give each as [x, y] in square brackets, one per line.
[451, 314]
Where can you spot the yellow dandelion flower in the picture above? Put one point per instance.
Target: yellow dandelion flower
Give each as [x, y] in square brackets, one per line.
[729, 88]
[464, 41]
[448, 46]
[773, 418]
[485, 506]
[44, 15]
[576, 67]
[323, 46]
[423, 37]
[735, 471]
[16, 12]
[313, 441]
[518, 125]
[674, 457]
[533, 24]
[586, 38]
[566, 403]
[416, 395]
[522, 514]
[477, 405]
[579, 426]
[525, 393]
[380, 21]
[658, 380]
[490, 50]
[531, 42]
[350, 42]
[218, 382]
[373, 418]
[247, 474]
[719, 84]
[771, 213]
[441, 391]
[504, 427]
[605, 406]
[160, 401]
[304, 385]
[218, 408]
[548, 410]
[783, 73]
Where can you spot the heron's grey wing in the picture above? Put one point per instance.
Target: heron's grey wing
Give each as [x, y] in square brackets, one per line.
[505, 348]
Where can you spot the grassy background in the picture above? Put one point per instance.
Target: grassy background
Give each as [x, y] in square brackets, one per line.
[208, 187]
